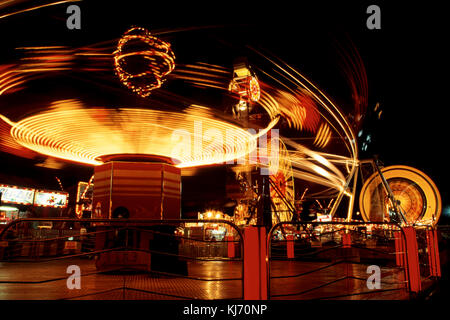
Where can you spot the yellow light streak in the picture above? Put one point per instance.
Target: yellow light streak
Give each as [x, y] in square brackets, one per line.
[74, 133]
[37, 7]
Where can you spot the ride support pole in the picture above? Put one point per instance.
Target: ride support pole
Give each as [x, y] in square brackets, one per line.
[290, 246]
[433, 253]
[346, 240]
[255, 264]
[412, 254]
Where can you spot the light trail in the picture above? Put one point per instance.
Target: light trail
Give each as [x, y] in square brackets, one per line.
[297, 101]
[71, 132]
[159, 61]
[37, 7]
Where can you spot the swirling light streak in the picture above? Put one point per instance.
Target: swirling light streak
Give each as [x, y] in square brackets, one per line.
[296, 78]
[160, 61]
[300, 81]
[280, 103]
[332, 174]
[323, 136]
[73, 133]
[206, 76]
[352, 67]
[37, 7]
[299, 106]
[40, 61]
[8, 144]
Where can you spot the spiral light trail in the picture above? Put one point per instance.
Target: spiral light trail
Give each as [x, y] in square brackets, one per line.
[138, 49]
[74, 133]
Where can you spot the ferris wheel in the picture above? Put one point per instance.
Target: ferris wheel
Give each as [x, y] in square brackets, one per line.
[414, 193]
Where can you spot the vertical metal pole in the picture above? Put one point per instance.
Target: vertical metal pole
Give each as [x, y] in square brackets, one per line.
[162, 192]
[412, 254]
[255, 263]
[390, 194]
[352, 197]
[264, 214]
[110, 191]
[433, 253]
[290, 246]
[341, 193]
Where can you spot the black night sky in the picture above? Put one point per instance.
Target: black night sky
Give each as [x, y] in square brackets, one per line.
[404, 60]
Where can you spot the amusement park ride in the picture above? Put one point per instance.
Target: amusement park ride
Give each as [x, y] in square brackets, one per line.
[139, 153]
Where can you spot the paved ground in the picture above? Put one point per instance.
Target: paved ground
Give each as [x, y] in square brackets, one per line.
[341, 281]
[47, 280]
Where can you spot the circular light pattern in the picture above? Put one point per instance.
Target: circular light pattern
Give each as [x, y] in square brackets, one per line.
[254, 91]
[415, 193]
[142, 61]
[409, 196]
[192, 138]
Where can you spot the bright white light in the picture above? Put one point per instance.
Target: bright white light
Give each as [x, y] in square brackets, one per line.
[321, 171]
[321, 159]
[8, 208]
[242, 106]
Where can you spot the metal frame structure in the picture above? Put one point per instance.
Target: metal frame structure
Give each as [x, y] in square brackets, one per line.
[344, 228]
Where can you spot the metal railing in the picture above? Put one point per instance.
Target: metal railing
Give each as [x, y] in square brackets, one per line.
[159, 257]
[423, 253]
[328, 260]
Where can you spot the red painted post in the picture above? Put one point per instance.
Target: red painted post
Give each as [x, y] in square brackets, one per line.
[255, 266]
[413, 259]
[346, 240]
[290, 246]
[433, 253]
[231, 250]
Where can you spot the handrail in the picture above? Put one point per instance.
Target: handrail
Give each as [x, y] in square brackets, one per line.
[120, 221]
[130, 223]
[316, 223]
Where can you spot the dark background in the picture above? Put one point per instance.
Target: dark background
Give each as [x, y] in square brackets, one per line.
[404, 62]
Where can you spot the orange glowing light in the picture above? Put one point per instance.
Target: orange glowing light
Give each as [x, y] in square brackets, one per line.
[142, 61]
[253, 89]
[69, 131]
[323, 136]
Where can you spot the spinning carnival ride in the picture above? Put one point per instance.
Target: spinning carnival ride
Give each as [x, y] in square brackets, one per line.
[186, 114]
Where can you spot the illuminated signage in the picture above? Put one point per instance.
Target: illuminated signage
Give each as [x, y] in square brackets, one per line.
[84, 197]
[12, 194]
[51, 199]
